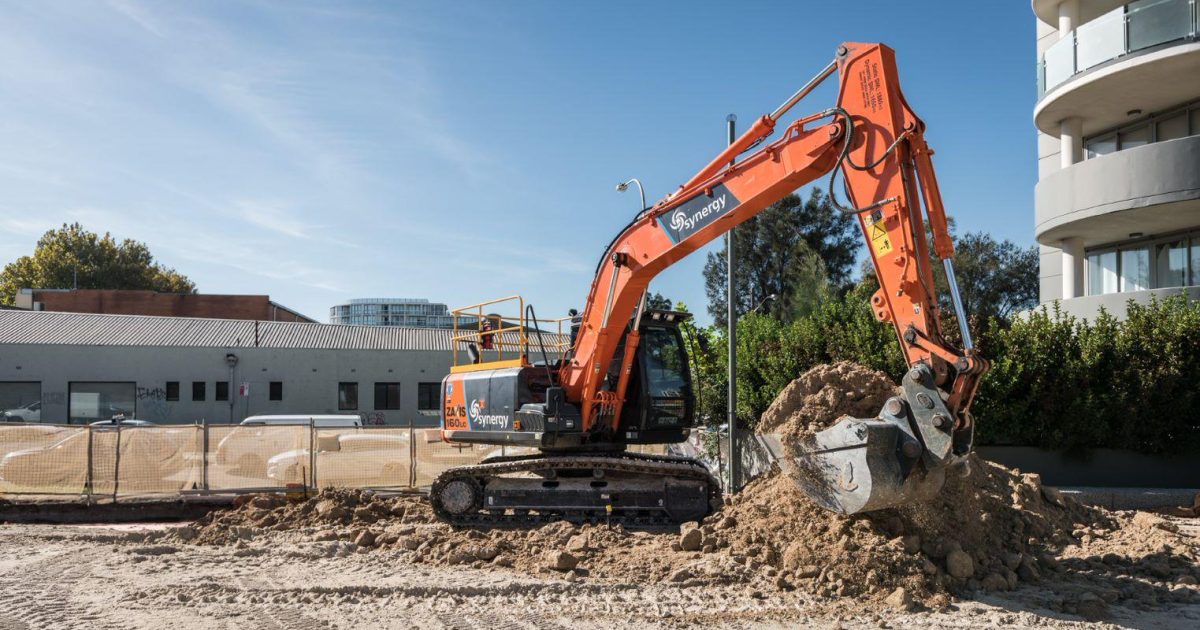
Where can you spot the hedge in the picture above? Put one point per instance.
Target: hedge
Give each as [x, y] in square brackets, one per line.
[1056, 381]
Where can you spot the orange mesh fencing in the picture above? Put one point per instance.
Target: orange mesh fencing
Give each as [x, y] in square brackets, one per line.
[363, 458]
[43, 459]
[111, 461]
[239, 455]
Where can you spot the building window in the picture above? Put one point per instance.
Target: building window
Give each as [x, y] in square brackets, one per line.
[89, 402]
[1195, 263]
[221, 393]
[21, 401]
[198, 391]
[1102, 146]
[1171, 261]
[387, 396]
[1172, 127]
[172, 390]
[276, 390]
[428, 395]
[1102, 273]
[1135, 269]
[1162, 263]
[347, 396]
[1177, 123]
[1134, 137]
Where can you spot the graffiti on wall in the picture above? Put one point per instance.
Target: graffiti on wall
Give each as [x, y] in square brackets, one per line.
[151, 393]
[372, 417]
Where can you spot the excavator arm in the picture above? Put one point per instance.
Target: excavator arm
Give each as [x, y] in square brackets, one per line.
[874, 141]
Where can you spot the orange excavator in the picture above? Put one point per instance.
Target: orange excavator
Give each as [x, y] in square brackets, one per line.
[624, 379]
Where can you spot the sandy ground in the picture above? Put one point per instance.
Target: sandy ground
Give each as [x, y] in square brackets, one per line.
[71, 577]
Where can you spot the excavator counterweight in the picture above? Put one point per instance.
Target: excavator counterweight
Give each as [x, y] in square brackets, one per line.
[624, 380]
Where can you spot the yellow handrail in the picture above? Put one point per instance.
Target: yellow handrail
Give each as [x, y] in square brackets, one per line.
[491, 327]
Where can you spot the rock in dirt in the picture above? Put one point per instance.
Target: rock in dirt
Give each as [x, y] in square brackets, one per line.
[691, 540]
[578, 543]
[960, 564]
[365, 538]
[1091, 606]
[900, 599]
[561, 561]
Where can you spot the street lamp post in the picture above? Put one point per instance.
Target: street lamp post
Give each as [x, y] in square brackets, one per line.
[622, 187]
[731, 320]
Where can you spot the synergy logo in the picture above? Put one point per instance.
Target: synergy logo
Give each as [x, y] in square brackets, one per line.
[696, 213]
[684, 220]
[478, 416]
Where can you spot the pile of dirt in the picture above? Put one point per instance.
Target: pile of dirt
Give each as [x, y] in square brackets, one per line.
[823, 394]
[991, 529]
[331, 514]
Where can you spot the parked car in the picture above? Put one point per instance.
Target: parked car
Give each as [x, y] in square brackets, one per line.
[19, 436]
[354, 459]
[258, 438]
[29, 413]
[127, 422]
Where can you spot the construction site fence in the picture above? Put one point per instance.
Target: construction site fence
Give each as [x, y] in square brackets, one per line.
[114, 462]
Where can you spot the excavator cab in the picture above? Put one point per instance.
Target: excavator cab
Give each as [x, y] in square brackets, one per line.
[660, 406]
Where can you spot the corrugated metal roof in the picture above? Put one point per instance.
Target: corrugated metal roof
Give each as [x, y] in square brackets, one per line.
[53, 328]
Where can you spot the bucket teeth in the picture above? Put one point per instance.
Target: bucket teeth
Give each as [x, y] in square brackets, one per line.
[859, 465]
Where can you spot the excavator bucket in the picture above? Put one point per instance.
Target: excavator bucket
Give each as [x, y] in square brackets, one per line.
[857, 465]
[861, 465]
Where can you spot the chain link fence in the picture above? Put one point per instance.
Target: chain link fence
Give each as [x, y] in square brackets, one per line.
[114, 462]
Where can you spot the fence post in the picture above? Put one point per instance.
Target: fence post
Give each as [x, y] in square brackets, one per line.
[204, 454]
[312, 454]
[412, 455]
[87, 482]
[117, 465]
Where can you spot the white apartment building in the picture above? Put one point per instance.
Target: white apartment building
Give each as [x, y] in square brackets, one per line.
[1118, 122]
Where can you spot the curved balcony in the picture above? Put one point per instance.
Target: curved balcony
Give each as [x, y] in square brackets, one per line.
[1152, 189]
[1132, 57]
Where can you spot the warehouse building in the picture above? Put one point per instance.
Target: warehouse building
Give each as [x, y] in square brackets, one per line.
[77, 368]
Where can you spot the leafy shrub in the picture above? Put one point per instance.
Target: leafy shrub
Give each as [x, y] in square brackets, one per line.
[1056, 381]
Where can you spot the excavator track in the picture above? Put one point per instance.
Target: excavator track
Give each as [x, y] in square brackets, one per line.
[532, 480]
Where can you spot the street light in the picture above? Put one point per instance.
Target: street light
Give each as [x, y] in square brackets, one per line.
[623, 186]
[769, 298]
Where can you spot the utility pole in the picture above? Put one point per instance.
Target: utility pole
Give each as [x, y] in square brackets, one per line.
[731, 322]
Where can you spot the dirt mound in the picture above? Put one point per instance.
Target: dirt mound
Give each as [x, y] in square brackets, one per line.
[332, 513]
[823, 394]
[990, 529]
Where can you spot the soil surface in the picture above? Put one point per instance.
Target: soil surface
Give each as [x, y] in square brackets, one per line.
[996, 549]
[79, 577]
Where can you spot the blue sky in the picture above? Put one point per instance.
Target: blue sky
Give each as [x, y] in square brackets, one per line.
[319, 151]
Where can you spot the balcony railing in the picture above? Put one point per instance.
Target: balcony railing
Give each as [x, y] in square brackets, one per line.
[1127, 29]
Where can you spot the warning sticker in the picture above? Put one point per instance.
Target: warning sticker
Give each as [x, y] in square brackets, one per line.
[880, 241]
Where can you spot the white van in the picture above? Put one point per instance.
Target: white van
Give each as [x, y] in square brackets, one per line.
[319, 421]
[246, 448]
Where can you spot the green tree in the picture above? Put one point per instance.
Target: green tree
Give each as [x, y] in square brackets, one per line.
[72, 256]
[796, 250]
[658, 302]
[995, 278]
